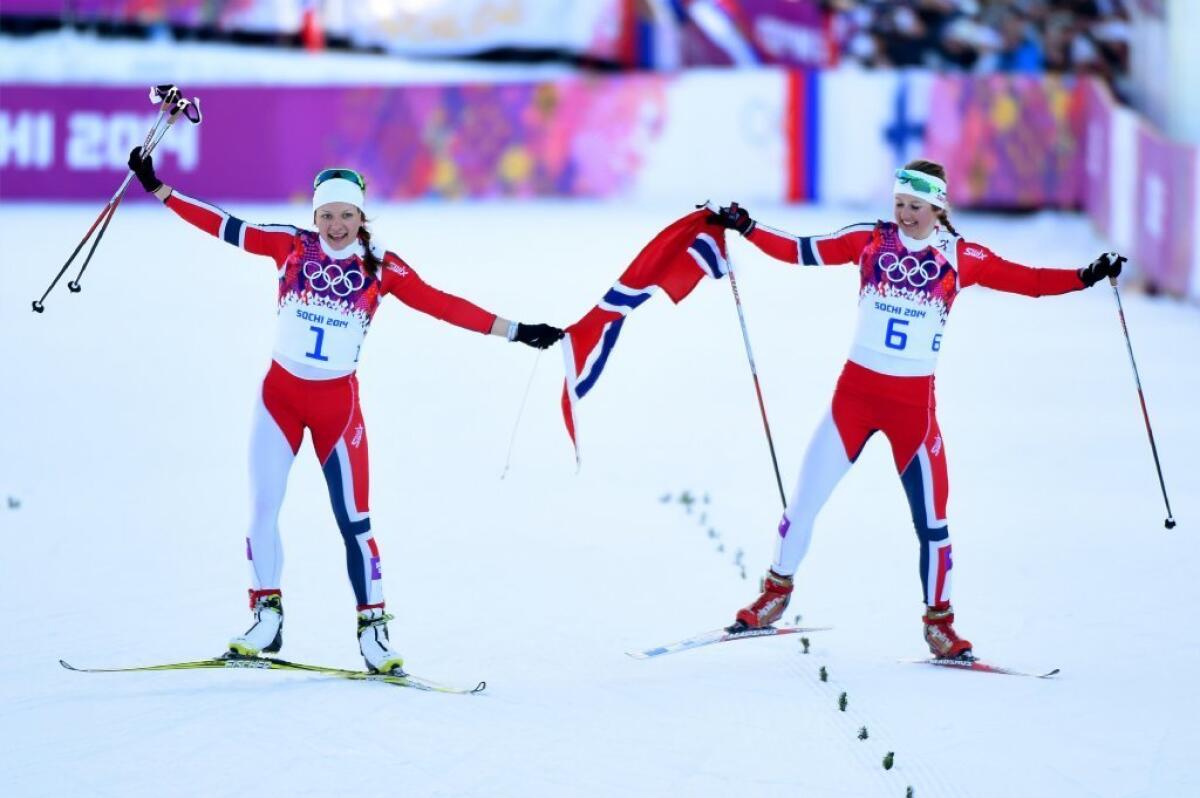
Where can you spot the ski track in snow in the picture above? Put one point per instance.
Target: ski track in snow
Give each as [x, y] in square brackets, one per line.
[126, 412]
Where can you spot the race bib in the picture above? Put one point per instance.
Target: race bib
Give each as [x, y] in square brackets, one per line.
[899, 327]
[320, 334]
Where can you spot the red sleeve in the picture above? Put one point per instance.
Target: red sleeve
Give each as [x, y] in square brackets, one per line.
[978, 264]
[844, 246]
[777, 244]
[274, 240]
[402, 282]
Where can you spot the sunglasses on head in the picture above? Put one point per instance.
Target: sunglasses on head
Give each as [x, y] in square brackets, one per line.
[344, 174]
[920, 183]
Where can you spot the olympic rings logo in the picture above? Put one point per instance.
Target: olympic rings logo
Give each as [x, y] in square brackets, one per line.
[908, 269]
[333, 277]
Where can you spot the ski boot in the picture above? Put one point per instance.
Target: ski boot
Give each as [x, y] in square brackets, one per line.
[373, 642]
[768, 607]
[943, 641]
[266, 635]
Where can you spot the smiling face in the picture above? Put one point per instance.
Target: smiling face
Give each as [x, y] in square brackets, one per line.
[338, 223]
[916, 217]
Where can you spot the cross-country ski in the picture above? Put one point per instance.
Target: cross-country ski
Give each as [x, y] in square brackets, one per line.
[722, 636]
[400, 679]
[979, 666]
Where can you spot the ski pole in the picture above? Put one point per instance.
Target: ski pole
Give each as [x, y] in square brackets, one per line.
[1169, 523]
[163, 96]
[39, 304]
[181, 107]
[170, 102]
[737, 299]
[512, 441]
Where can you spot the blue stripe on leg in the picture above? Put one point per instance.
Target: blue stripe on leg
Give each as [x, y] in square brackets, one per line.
[355, 566]
[913, 480]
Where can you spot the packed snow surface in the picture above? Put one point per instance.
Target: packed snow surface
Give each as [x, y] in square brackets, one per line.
[125, 414]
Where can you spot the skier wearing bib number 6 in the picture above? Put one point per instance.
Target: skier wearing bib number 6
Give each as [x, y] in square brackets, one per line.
[331, 282]
[911, 269]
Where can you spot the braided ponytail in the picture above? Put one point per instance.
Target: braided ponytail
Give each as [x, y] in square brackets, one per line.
[370, 262]
[943, 216]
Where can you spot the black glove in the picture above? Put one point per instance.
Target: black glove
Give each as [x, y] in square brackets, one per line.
[143, 170]
[1107, 265]
[733, 217]
[539, 336]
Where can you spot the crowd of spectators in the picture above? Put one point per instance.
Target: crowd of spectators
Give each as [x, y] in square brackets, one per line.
[1077, 36]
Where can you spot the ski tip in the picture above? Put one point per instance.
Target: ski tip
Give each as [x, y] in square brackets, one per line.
[67, 665]
[479, 688]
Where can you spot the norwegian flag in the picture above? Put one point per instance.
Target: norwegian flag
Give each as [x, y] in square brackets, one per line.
[675, 261]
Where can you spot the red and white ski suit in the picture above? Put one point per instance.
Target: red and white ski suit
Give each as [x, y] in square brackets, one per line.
[907, 288]
[326, 301]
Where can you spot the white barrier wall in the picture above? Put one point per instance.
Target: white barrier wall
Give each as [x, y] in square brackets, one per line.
[870, 123]
[721, 138]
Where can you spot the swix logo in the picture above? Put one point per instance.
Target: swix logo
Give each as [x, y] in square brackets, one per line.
[399, 270]
[937, 446]
[358, 436]
[975, 252]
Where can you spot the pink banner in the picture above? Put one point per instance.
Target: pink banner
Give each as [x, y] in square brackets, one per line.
[746, 32]
[1166, 197]
[184, 12]
[584, 138]
[1011, 137]
[1096, 108]
[34, 8]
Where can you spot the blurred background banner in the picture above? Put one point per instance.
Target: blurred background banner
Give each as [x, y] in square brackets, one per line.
[1164, 207]
[1027, 151]
[585, 138]
[745, 33]
[594, 28]
[457, 27]
[276, 15]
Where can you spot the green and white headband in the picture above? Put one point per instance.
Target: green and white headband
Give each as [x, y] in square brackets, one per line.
[921, 185]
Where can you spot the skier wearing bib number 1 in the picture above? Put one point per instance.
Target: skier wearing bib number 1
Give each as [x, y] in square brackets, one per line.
[330, 284]
[911, 269]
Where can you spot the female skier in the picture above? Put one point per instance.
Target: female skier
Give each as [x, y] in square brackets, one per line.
[911, 269]
[330, 284]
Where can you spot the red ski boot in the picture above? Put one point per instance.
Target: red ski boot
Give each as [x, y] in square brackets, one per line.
[767, 608]
[943, 641]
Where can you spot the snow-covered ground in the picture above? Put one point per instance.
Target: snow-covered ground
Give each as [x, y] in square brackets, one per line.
[124, 419]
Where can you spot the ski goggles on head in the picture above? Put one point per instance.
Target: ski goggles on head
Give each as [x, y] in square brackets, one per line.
[339, 185]
[336, 173]
[921, 185]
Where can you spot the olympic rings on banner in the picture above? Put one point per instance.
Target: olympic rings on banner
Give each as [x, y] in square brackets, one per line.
[908, 269]
[333, 277]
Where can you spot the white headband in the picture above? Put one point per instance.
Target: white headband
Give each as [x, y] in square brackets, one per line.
[922, 185]
[339, 189]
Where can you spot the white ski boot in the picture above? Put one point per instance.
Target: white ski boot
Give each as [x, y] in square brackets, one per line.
[373, 642]
[266, 635]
